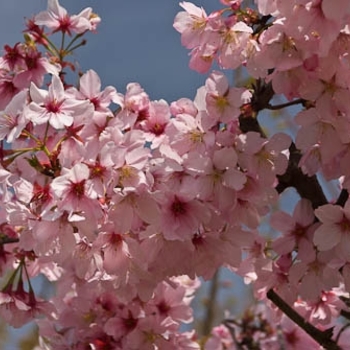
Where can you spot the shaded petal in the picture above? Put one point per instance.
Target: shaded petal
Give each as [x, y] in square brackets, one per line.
[327, 236]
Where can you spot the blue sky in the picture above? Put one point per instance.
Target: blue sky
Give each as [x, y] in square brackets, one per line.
[135, 42]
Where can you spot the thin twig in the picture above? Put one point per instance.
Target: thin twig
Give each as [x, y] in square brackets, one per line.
[284, 105]
[233, 333]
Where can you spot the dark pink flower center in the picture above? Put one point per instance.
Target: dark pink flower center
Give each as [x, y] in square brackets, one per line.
[291, 337]
[178, 208]
[130, 322]
[163, 307]
[97, 170]
[53, 106]
[65, 25]
[115, 240]
[345, 225]
[197, 240]
[78, 188]
[143, 114]
[32, 60]
[96, 102]
[157, 129]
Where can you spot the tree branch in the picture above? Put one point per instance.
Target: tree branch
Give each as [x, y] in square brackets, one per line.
[324, 338]
[284, 105]
[343, 197]
[307, 186]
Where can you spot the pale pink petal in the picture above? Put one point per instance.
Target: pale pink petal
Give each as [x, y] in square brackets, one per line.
[303, 213]
[224, 158]
[234, 179]
[90, 84]
[329, 213]
[282, 222]
[284, 245]
[327, 236]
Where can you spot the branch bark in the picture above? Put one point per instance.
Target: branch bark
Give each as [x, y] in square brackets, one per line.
[307, 186]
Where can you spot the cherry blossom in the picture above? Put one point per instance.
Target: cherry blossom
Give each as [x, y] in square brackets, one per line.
[124, 202]
[12, 118]
[52, 106]
[191, 24]
[56, 17]
[334, 229]
[75, 192]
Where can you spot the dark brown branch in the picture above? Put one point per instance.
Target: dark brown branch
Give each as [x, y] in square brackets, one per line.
[324, 338]
[247, 124]
[262, 96]
[345, 314]
[343, 197]
[284, 105]
[6, 240]
[231, 329]
[307, 186]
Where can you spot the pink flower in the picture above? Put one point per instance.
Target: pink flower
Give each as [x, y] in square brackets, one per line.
[125, 322]
[12, 119]
[90, 89]
[223, 102]
[317, 130]
[278, 51]
[34, 69]
[314, 277]
[295, 338]
[17, 310]
[57, 18]
[13, 57]
[183, 106]
[317, 21]
[53, 106]
[7, 88]
[216, 177]
[156, 122]
[74, 192]
[191, 24]
[182, 216]
[187, 134]
[220, 338]
[235, 42]
[117, 259]
[325, 309]
[18, 307]
[134, 105]
[296, 231]
[266, 7]
[171, 301]
[264, 159]
[202, 57]
[334, 231]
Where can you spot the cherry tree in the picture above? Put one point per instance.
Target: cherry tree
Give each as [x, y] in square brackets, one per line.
[123, 202]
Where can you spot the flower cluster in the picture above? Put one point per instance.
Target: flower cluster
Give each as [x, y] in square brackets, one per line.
[124, 201]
